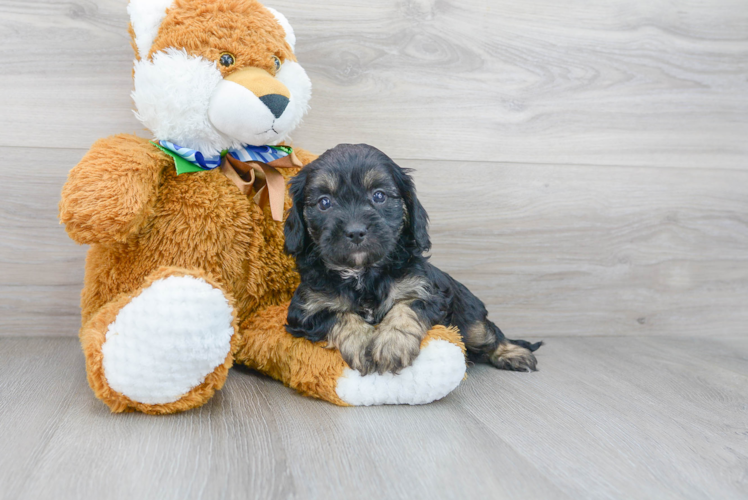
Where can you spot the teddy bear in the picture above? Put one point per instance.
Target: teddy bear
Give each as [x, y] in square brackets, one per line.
[186, 273]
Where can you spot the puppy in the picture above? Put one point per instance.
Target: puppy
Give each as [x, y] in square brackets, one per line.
[358, 234]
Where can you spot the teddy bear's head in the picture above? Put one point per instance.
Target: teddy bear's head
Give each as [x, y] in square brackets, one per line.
[212, 75]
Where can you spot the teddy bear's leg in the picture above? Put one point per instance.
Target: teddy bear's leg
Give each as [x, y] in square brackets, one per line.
[165, 348]
[319, 372]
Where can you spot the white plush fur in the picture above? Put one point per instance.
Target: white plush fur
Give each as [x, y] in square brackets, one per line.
[167, 340]
[237, 112]
[293, 76]
[437, 371]
[172, 96]
[146, 17]
[183, 99]
[290, 35]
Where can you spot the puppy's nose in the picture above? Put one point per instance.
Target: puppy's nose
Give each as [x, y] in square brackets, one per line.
[276, 103]
[356, 233]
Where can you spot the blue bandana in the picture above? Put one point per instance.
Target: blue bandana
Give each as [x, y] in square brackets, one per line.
[195, 161]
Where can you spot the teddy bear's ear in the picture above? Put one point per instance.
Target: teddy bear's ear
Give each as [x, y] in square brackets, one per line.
[290, 36]
[146, 17]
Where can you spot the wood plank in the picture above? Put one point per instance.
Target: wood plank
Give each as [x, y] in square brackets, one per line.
[39, 380]
[34, 248]
[432, 451]
[603, 418]
[551, 250]
[624, 83]
[584, 251]
[623, 418]
[260, 439]
[41, 269]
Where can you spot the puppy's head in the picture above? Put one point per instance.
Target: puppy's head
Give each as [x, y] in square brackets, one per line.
[355, 208]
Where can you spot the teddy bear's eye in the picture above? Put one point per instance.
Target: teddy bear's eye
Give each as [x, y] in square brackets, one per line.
[226, 60]
[277, 63]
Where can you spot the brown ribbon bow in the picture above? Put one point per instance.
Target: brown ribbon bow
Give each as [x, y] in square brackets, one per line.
[268, 183]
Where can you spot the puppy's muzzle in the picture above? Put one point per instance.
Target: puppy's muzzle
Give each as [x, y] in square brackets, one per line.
[356, 232]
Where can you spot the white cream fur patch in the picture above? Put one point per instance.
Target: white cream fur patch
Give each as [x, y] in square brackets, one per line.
[437, 371]
[167, 340]
[146, 17]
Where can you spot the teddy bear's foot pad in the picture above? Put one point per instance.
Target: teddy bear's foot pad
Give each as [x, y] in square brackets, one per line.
[167, 340]
[437, 371]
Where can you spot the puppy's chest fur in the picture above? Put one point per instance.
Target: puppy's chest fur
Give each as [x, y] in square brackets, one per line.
[374, 303]
[371, 297]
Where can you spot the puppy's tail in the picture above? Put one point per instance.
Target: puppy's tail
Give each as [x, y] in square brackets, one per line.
[527, 345]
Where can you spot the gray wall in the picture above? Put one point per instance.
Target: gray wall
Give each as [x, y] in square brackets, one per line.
[585, 166]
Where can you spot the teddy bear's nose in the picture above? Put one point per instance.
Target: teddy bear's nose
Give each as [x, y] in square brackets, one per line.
[271, 92]
[276, 103]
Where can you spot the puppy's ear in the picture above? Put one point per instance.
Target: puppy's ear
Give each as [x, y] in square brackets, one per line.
[417, 226]
[295, 228]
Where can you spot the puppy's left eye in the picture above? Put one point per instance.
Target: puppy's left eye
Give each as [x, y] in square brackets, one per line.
[277, 63]
[379, 197]
[324, 203]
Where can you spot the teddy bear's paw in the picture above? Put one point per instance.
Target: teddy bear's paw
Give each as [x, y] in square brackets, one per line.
[437, 371]
[167, 340]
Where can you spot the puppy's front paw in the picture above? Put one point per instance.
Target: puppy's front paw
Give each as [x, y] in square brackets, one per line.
[354, 352]
[352, 335]
[392, 350]
[398, 339]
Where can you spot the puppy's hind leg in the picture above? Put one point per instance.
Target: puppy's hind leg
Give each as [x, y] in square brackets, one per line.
[486, 343]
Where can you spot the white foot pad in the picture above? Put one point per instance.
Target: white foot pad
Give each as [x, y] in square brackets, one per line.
[437, 371]
[167, 340]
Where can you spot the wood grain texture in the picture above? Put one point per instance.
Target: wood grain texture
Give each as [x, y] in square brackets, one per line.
[551, 251]
[41, 269]
[620, 83]
[655, 411]
[604, 418]
[594, 251]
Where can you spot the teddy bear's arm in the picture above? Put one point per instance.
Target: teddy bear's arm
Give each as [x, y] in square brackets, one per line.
[107, 195]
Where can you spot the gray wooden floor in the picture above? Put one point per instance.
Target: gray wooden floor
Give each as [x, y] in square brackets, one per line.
[585, 166]
[604, 418]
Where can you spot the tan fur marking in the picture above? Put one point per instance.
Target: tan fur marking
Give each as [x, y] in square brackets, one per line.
[315, 302]
[478, 335]
[513, 357]
[351, 335]
[326, 181]
[372, 176]
[407, 289]
[398, 339]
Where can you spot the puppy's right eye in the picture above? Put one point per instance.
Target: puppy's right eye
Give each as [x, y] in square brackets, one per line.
[324, 203]
[379, 197]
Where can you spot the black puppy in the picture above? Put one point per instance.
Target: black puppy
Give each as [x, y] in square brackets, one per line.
[358, 234]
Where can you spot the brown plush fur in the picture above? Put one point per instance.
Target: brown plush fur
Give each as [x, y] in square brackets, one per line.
[144, 223]
[210, 28]
[125, 200]
[192, 221]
